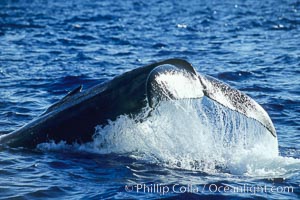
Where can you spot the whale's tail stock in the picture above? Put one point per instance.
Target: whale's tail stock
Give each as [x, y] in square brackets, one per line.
[74, 117]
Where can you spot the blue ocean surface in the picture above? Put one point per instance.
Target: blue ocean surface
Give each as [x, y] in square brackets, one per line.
[48, 48]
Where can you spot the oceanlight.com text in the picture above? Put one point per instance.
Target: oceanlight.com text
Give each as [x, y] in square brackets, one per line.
[164, 189]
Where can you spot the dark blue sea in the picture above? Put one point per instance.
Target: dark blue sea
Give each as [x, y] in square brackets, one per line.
[48, 48]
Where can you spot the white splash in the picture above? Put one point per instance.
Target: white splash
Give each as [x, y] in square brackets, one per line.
[193, 134]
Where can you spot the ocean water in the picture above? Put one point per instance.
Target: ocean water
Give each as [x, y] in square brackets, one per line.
[189, 149]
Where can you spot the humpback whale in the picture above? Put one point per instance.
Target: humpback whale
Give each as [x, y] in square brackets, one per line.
[75, 116]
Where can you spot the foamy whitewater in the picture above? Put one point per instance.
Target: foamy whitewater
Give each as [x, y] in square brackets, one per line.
[193, 134]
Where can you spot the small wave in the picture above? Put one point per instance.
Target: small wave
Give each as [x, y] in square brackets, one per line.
[235, 76]
[20, 26]
[159, 45]
[95, 18]
[85, 37]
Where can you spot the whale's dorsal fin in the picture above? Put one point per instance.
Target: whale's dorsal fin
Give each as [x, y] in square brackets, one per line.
[63, 100]
[74, 91]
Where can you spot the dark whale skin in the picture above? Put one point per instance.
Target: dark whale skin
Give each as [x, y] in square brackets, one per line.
[74, 118]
